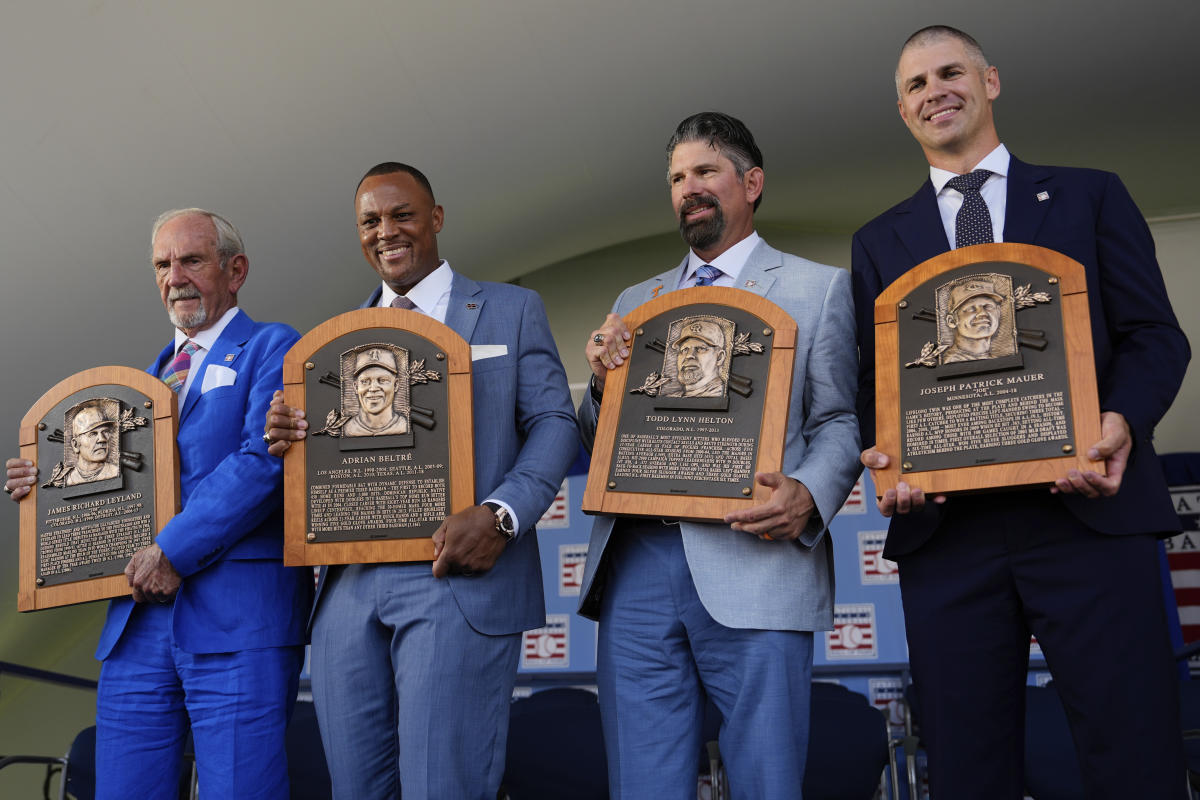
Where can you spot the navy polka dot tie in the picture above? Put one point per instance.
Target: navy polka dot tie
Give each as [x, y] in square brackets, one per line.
[707, 274]
[973, 225]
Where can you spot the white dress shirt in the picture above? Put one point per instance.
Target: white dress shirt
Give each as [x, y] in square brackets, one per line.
[730, 263]
[204, 339]
[994, 192]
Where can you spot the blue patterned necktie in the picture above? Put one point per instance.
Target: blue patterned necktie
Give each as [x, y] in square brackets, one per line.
[176, 374]
[973, 225]
[707, 274]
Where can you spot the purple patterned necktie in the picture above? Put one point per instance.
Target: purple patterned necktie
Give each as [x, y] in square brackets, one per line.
[176, 374]
[403, 302]
[973, 225]
[707, 274]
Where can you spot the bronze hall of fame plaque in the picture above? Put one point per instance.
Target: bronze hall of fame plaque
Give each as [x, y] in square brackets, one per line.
[108, 480]
[699, 406]
[387, 395]
[984, 371]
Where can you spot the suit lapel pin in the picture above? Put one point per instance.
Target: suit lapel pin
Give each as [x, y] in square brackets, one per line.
[472, 306]
[750, 284]
[1043, 196]
[230, 357]
[654, 292]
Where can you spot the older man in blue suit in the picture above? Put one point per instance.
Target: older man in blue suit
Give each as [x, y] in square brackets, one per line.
[212, 638]
[725, 610]
[1079, 570]
[413, 667]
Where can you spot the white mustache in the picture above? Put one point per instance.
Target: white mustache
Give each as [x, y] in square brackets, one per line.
[183, 293]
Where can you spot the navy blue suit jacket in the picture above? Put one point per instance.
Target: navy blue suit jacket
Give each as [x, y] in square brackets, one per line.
[525, 438]
[1141, 353]
[227, 540]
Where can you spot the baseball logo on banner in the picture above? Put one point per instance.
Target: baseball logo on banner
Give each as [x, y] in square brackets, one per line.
[1183, 557]
[856, 503]
[887, 694]
[853, 634]
[548, 646]
[873, 568]
[557, 515]
[571, 559]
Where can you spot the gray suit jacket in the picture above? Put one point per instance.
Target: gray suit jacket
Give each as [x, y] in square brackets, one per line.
[743, 581]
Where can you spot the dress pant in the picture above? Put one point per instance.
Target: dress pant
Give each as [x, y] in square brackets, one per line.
[999, 568]
[407, 693]
[660, 653]
[237, 706]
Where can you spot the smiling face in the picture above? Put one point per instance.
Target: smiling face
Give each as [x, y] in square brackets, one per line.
[376, 389]
[398, 223]
[945, 99]
[714, 206]
[195, 289]
[977, 318]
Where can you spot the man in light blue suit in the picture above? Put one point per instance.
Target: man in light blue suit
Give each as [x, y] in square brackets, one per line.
[413, 668]
[690, 609]
[212, 638]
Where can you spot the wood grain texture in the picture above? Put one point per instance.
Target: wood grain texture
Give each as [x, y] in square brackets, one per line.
[163, 413]
[1081, 365]
[599, 499]
[297, 550]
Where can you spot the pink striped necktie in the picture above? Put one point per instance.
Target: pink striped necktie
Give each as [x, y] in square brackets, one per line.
[176, 374]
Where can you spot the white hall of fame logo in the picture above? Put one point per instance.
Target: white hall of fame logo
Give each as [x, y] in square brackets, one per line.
[548, 646]
[853, 635]
[571, 561]
[873, 568]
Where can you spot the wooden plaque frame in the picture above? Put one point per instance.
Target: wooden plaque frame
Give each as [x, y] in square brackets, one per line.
[1076, 338]
[599, 498]
[297, 550]
[163, 416]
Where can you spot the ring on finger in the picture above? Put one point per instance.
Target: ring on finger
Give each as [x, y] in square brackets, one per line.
[7, 490]
[267, 438]
[598, 338]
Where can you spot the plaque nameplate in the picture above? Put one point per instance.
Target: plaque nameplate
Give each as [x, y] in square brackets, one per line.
[108, 481]
[984, 371]
[389, 455]
[699, 406]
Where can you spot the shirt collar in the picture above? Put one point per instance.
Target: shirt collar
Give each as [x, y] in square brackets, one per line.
[996, 162]
[207, 337]
[427, 292]
[730, 262]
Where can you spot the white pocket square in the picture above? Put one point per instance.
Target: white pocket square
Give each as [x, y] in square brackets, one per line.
[216, 376]
[482, 351]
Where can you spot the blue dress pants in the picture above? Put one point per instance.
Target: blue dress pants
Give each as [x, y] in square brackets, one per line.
[660, 653]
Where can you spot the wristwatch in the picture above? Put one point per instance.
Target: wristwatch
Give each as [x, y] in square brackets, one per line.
[504, 521]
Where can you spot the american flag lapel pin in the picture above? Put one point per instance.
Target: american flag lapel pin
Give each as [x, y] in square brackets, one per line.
[1043, 196]
[472, 306]
[230, 357]
[750, 284]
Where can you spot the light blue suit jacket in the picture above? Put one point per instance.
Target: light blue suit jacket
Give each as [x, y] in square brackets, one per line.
[227, 541]
[525, 438]
[743, 581]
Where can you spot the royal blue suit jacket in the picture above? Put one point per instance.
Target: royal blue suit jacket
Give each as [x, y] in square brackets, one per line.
[227, 540]
[1141, 353]
[525, 439]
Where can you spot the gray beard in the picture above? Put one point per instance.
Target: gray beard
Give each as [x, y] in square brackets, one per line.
[196, 319]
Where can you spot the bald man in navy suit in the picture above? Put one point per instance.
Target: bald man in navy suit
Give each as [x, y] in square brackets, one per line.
[1077, 565]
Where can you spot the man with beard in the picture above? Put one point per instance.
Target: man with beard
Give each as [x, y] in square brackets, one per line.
[699, 354]
[1079, 567]
[727, 611]
[212, 639]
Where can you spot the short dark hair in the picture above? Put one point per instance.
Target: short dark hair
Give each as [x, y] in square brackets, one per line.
[933, 33]
[728, 135]
[393, 167]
